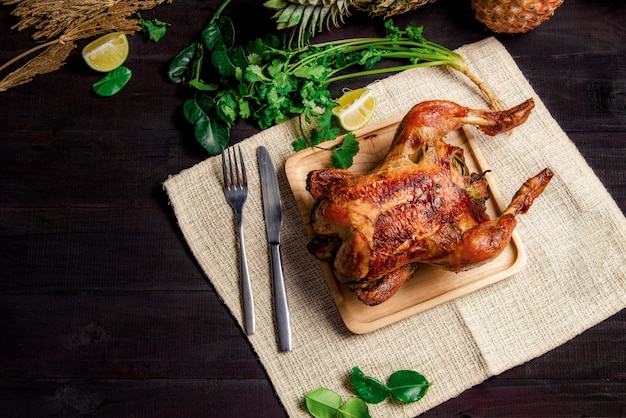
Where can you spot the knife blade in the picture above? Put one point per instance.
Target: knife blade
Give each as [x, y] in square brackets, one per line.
[273, 222]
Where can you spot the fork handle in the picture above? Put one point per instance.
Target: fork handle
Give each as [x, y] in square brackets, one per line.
[281, 306]
[246, 286]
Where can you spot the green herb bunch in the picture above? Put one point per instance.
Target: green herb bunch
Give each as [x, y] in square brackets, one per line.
[269, 82]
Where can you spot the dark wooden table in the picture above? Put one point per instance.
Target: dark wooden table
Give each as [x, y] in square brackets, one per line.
[103, 310]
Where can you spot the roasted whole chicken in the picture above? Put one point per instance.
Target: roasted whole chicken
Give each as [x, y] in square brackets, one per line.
[419, 205]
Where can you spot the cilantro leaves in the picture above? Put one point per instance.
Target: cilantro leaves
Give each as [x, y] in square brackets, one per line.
[343, 154]
[258, 82]
[154, 29]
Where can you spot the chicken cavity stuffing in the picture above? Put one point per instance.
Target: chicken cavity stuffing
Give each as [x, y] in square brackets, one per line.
[419, 205]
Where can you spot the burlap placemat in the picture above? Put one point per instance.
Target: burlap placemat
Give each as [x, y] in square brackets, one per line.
[574, 235]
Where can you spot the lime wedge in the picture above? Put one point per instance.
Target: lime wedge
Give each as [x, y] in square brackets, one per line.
[355, 108]
[107, 52]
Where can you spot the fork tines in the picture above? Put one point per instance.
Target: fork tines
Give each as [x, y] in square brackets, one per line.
[234, 176]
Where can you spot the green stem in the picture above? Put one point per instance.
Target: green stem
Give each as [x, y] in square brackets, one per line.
[385, 70]
[400, 48]
[219, 10]
[27, 53]
[347, 42]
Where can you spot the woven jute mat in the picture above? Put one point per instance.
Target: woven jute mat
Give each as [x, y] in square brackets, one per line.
[574, 237]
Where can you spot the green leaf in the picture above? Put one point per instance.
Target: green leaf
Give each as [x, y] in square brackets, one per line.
[209, 131]
[369, 389]
[244, 108]
[220, 60]
[193, 111]
[254, 58]
[414, 33]
[195, 69]
[221, 32]
[265, 48]
[276, 4]
[275, 100]
[227, 60]
[314, 72]
[343, 155]
[322, 403]
[212, 134]
[354, 408]
[299, 144]
[200, 85]
[113, 82]
[154, 29]
[326, 131]
[181, 67]
[276, 68]
[239, 74]
[237, 56]
[284, 84]
[316, 136]
[254, 73]
[393, 31]
[408, 386]
[212, 37]
[227, 108]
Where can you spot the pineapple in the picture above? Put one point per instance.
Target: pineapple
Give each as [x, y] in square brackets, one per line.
[514, 16]
[388, 8]
[306, 17]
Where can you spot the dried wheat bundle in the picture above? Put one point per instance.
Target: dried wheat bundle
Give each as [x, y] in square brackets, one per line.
[61, 23]
[51, 59]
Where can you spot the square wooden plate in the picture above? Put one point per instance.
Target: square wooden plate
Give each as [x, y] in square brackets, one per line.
[429, 286]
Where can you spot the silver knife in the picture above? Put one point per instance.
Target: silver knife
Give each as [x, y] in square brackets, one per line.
[273, 222]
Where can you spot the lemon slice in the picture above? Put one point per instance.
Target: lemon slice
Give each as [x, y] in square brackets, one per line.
[107, 52]
[355, 108]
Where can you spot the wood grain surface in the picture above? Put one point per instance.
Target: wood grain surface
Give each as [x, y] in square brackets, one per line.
[103, 310]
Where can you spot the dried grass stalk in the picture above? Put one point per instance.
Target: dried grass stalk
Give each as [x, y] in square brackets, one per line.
[51, 17]
[68, 21]
[51, 59]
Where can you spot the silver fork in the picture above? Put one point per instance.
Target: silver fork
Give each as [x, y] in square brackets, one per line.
[236, 191]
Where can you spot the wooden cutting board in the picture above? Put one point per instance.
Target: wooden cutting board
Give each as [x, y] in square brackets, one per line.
[429, 286]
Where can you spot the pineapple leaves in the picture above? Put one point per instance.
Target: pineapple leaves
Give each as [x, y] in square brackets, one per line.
[304, 19]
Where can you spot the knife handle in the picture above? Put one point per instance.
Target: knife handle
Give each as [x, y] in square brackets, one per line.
[281, 306]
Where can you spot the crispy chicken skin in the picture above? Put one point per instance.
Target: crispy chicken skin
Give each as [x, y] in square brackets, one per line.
[420, 205]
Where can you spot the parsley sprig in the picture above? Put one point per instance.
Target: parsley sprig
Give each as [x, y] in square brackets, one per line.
[269, 82]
